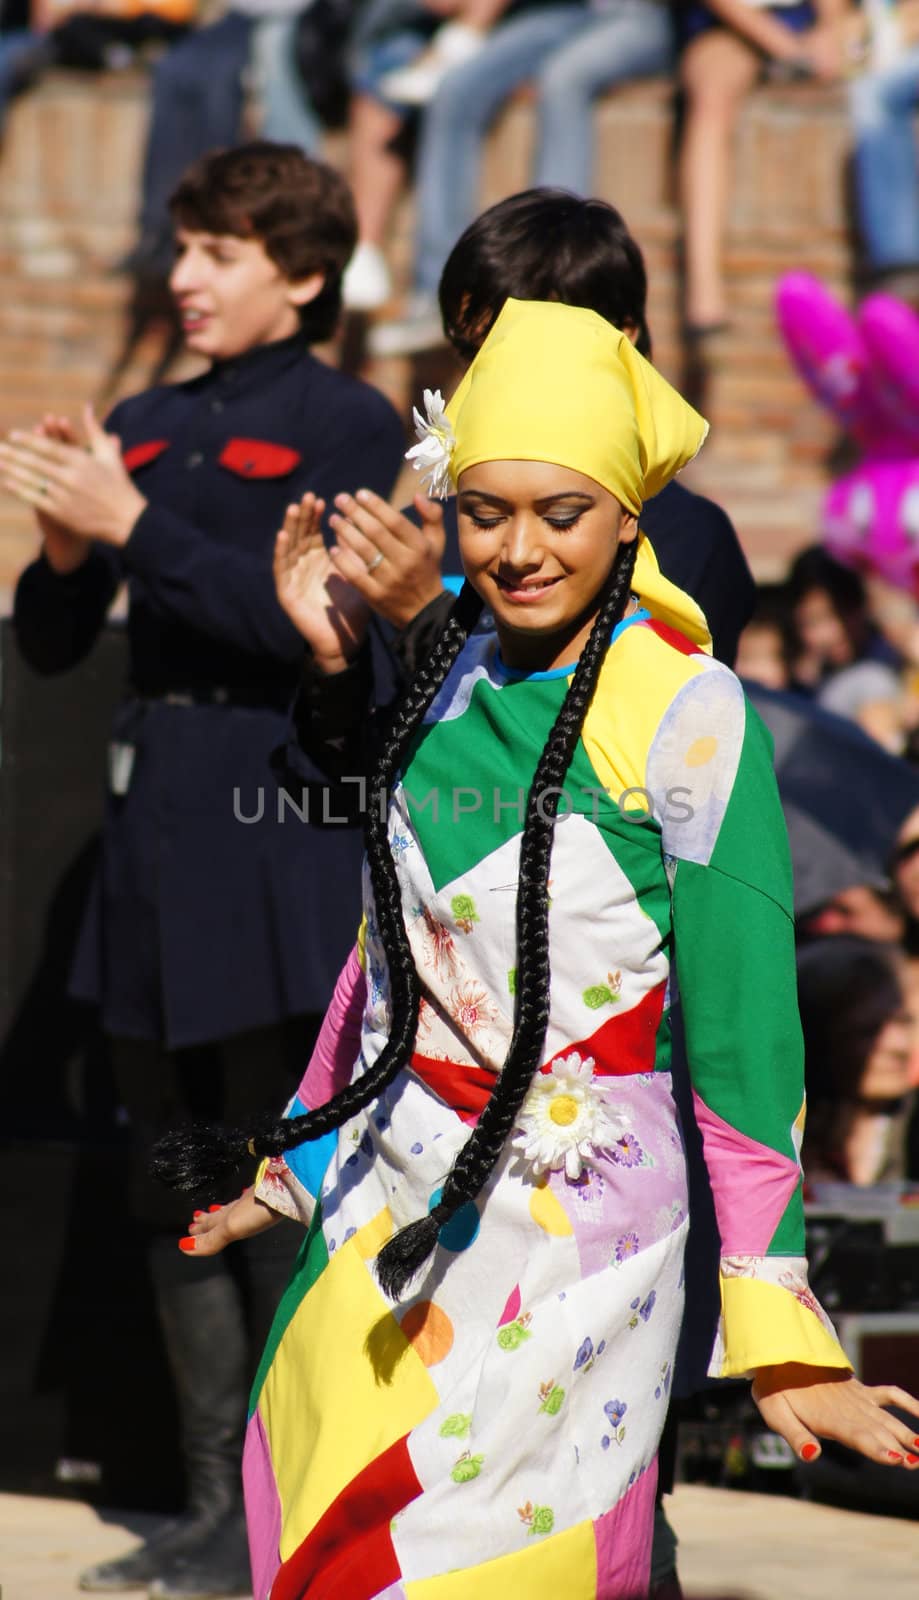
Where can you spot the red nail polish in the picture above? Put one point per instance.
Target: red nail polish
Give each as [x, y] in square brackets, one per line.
[187, 1244]
[912, 1460]
[893, 1455]
[808, 1451]
[215, 1208]
[196, 1215]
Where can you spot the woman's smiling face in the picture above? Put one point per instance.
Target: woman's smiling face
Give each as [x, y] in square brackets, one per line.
[538, 543]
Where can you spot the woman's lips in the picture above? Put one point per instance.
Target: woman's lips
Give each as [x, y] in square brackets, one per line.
[526, 594]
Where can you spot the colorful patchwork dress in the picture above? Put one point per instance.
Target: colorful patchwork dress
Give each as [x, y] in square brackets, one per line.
[494, 1433]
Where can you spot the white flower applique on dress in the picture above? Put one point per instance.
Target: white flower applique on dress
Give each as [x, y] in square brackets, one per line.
[433, 453]
[565, 1119]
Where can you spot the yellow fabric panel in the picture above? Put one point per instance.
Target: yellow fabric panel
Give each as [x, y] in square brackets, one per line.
[370, 1239]
[362, 944]
[344, 1386]
[665, 601]
[765, 1324]
[638, 680]
[563, 1565]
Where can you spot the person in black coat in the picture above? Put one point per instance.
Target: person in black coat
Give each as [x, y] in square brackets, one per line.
[220, 915]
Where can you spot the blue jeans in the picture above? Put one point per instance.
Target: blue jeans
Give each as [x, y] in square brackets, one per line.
[572, 53]
[883, 106]
[197, 106]
[387, 34]
[286, 114]
[16, 47]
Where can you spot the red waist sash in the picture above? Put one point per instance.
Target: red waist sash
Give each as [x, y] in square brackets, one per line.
[622, 1046]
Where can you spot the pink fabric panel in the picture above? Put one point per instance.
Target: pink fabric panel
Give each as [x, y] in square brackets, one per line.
[263, 1509]
[751, 1184]
[336, 1049]
[623, 1539]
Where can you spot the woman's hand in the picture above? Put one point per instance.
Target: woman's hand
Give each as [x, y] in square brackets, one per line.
[800, 1402]
[211, 1231]
[324, 608]
[86, 492]
[64, 551]
[393, 564]
[823, 50]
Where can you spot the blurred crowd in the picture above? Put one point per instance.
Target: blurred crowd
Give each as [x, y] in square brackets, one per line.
[418, 84]
[828, 640]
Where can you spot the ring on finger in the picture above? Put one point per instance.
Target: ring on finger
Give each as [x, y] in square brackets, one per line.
[43, 486]
[372, 565]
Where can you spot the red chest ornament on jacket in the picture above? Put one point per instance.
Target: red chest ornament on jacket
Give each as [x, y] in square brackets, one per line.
[140, 455]
[257, 458]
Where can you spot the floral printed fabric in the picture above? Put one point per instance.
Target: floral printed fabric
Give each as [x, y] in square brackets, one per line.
[497, 1428]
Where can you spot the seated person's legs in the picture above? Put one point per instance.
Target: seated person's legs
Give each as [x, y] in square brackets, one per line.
[22, 56]
[286, 114]
[718, 70]
[196, 106]
[883, 108]
[449, 158]
[389, 36]
[634, 39]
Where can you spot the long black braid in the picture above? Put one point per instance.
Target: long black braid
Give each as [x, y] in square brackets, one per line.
[191, 1159]
[402, 1257]
[197, 1157]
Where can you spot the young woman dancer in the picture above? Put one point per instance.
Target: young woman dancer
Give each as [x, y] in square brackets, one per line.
[465, 1386]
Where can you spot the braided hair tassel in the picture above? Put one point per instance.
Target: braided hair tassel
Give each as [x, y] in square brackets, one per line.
[198, 1156]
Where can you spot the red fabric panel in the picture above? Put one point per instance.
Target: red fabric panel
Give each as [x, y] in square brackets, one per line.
[673, 637]
[140, 454]
[257, 458]
[357, 1571]
[626, 1043]
[466, 1089]
[349, 1554]
[623, 1045]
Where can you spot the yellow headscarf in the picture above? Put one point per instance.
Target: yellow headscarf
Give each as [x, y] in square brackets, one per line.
[554, 382]
[559, 383]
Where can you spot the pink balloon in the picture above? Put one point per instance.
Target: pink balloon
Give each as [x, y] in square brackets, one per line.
[871, 520]
[865, 370]
[890, 331]
[826, 345]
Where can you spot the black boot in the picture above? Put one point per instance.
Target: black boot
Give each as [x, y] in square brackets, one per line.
[218, 1568]
[204, 1331]
[140, 1567]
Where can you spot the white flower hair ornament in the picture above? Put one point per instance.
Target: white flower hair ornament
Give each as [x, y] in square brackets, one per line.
[434, 451]
[565, 1119]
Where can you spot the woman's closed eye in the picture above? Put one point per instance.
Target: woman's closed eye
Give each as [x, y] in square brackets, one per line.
[569, 520]
[483, 522]
[558, 521]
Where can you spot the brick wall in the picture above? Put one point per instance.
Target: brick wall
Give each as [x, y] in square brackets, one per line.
[68, 185]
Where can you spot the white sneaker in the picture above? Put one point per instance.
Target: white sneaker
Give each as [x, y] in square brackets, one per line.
[420, 329]
[418, 83]
[366, 285]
